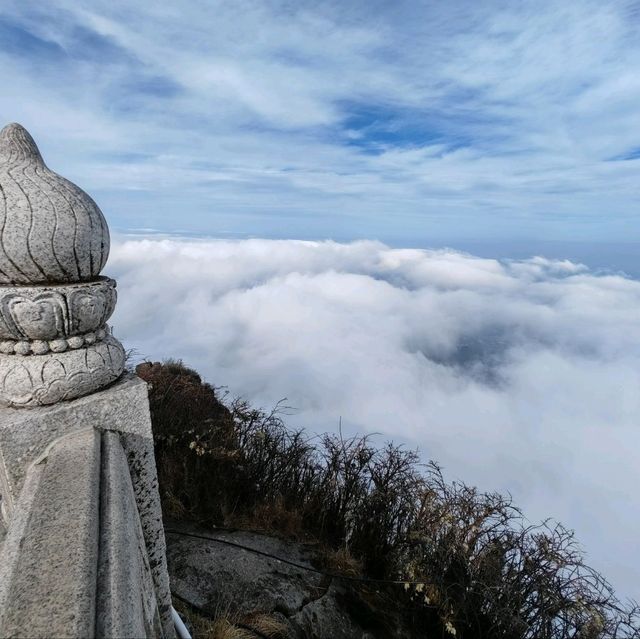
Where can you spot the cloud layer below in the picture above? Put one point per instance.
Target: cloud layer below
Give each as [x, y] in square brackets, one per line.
[521, 376]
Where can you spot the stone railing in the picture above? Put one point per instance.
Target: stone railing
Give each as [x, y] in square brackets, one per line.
[82, 550]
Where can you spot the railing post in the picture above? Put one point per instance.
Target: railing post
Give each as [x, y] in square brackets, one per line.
[83, 551]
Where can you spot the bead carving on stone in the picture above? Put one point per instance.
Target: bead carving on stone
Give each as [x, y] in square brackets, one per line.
[40, 347]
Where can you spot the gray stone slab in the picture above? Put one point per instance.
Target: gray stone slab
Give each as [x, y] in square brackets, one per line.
[25, 434]
[12, 544]
[52, 589]
[144, 478]
[126, 601]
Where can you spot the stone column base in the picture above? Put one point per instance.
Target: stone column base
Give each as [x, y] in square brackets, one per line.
[38, 380]
[84, 551]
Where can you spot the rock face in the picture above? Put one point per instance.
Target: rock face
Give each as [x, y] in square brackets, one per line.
[54, 340]
[218, 577]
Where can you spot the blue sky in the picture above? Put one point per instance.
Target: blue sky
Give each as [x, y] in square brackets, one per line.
[416, 123]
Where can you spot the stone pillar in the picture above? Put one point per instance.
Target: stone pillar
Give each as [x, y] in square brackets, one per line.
[82, 549]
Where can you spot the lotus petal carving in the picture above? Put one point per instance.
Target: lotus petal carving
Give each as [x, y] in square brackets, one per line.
[55, 312]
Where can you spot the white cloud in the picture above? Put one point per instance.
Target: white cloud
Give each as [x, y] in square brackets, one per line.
[521, 376]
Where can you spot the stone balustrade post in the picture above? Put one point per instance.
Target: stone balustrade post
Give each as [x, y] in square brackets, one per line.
[82, 550]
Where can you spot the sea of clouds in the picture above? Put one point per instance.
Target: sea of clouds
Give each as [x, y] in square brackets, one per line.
[518, 376]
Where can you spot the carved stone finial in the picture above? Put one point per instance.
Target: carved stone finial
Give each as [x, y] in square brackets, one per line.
[16, 144]
[54, 242]
[50, 230]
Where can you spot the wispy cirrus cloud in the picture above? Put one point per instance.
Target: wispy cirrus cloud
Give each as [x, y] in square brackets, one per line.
[342, 120]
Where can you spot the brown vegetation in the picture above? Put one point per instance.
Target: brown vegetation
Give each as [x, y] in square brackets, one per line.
[471, 565]
[339, 561]
[224, 626]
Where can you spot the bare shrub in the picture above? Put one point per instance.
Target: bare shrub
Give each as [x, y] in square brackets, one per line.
[271, 517]
[490, 575]
[194, 437]
[472, 566]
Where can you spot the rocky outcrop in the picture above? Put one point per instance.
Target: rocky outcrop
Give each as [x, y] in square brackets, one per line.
[221, 578]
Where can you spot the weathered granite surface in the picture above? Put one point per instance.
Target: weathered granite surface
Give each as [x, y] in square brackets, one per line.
[218, 577]
[144, 479]
[15, 527]
[58, 543]
[52, 231]
[124, 562]
[127, 605]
